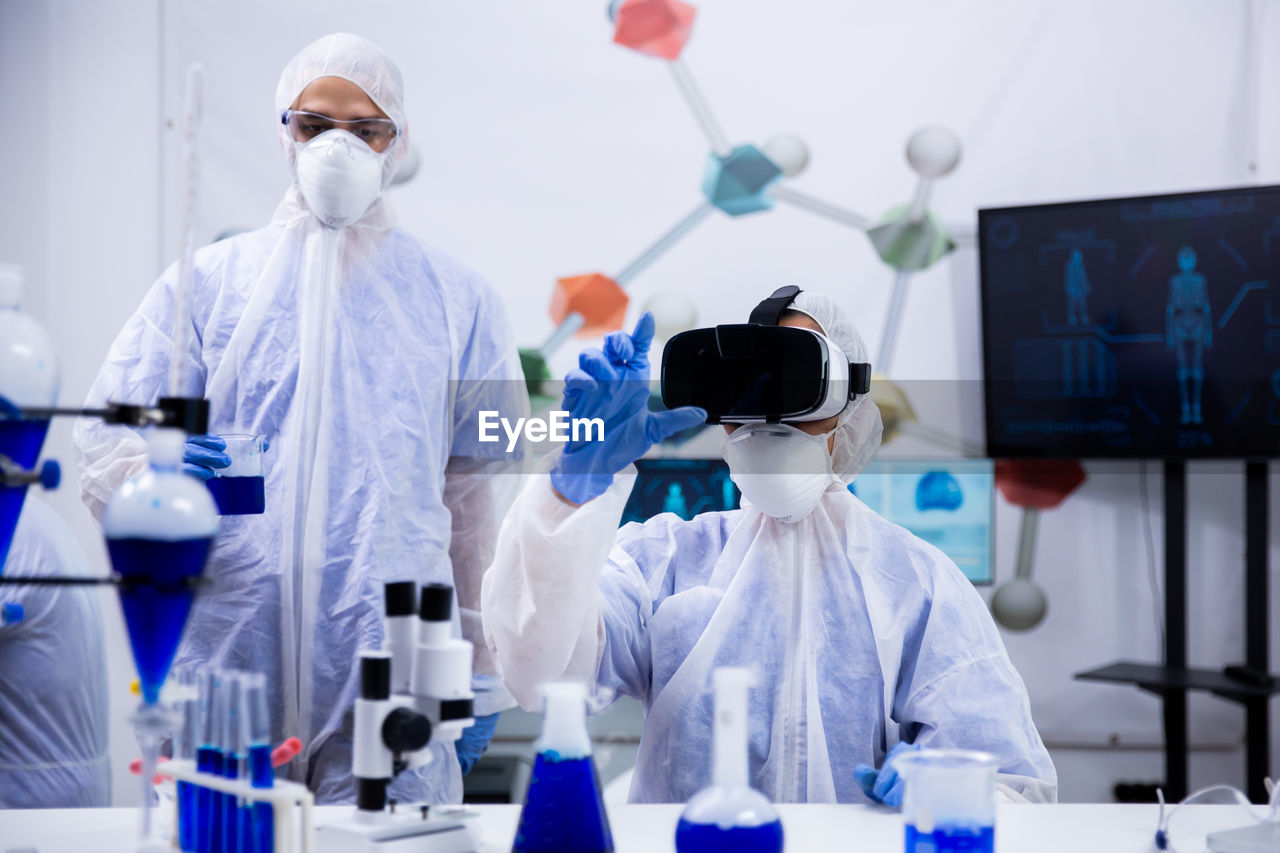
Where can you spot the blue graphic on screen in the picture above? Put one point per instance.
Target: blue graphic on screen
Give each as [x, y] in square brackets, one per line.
[1142, 327]
[945, 502]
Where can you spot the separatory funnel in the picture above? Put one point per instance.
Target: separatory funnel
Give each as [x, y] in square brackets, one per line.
[159, 527]
[28, 378]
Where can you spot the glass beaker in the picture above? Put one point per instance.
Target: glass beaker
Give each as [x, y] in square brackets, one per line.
[239, 489]
[949, 801]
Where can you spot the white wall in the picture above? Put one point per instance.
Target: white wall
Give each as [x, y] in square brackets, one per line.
[550, 151]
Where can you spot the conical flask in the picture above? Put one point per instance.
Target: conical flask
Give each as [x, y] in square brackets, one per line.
[729, 815]
[563, 809]
[158, 526]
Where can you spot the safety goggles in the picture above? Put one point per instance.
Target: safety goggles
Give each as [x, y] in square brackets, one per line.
[303, 126]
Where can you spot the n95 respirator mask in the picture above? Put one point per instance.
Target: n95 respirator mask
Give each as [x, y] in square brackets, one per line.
[783, 471]
[339, 176]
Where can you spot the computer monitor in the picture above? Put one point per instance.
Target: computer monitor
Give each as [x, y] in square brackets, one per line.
[948, 503]
[1133, 327]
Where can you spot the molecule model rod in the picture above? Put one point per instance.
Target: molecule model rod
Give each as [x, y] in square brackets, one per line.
[701, 109]
[663, 243]
[813, 205]
[888, 338]
[568, 327]
[920, 201]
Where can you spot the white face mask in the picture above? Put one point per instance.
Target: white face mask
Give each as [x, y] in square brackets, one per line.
[782, 471]
[339, 176]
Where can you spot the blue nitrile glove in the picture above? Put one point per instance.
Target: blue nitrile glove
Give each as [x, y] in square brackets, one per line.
[473, 741]
[884, 785]
[202, 454]
[613, 385]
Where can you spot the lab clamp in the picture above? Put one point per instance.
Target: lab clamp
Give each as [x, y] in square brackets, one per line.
[414, 693]
[189, 414]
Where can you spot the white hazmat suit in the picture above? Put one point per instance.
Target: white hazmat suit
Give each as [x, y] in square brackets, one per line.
[53, 675]
[863, 635]
[362, 354]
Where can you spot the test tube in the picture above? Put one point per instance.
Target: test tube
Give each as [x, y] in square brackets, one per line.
[232, 753]
[257, 737]
[188, 678]
[208, 760]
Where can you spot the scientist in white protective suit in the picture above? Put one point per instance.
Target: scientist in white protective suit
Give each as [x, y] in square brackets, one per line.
[868, 640]
[363, 355]
[53, 674]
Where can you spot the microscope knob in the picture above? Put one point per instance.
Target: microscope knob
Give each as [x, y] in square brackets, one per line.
[405, 731]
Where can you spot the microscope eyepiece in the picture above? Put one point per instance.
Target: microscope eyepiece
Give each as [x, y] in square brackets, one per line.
[400, 595]
[437, 603]
[375, 675]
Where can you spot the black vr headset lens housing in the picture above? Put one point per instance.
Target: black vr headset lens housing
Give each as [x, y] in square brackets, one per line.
[752, 372]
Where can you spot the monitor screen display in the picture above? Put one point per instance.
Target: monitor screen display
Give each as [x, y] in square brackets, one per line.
[1135, 327]
[948, 503]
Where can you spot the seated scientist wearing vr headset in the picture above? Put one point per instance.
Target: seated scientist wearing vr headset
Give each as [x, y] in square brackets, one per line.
[867, 640]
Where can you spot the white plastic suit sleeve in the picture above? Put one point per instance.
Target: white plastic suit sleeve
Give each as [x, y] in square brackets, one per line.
[541, 605]
[136, 371]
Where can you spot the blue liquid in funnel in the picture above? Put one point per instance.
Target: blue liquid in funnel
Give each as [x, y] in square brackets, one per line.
[710, 838]
[156, 615]
[563, 810]
[20, 441]
[951, 839]
[238, 495]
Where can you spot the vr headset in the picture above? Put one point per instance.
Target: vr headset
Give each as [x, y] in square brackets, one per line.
[760, 371]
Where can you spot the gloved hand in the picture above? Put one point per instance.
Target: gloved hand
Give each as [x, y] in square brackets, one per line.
[202, 454]
[613, 385]
[884, 785]
[473, 741]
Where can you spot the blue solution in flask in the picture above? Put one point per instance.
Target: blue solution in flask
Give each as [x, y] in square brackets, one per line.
[563, 808]
[952, 839]
[239, 495]
[20, 441]
[159, 527]
[156, 599]
[729, 815]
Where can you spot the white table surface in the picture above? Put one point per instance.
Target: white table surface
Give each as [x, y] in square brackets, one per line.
[651, 828]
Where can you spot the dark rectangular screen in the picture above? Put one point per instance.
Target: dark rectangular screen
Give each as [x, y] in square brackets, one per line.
[1135, 327]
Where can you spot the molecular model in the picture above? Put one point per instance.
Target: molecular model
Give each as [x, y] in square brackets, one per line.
[741, 180]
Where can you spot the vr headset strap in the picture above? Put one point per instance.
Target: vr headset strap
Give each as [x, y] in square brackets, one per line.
[768, 312]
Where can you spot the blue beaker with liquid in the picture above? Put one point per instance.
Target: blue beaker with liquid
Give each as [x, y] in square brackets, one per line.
[949, 800]
[729, 816]
[240, 488]
[563, 808]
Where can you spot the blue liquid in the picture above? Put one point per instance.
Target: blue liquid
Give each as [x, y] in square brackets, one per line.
[709, 838]
[156, 615]
[563, 810]
[208, 839]
[187, 816]
[230, 809]
[20, 441]
[238, 495]
[944, 839]
[262, 775]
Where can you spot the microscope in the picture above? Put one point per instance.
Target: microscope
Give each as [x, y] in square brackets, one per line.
[413, 693]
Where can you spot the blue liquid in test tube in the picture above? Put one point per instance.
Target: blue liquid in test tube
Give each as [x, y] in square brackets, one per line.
[231, 757]
[257, 820]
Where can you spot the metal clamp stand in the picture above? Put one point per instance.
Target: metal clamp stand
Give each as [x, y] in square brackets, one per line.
[1250, 685]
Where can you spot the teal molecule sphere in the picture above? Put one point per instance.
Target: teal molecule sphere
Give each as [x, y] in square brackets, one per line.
[738, 183]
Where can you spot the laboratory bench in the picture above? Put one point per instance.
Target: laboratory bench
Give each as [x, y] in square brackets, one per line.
[651, 828]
